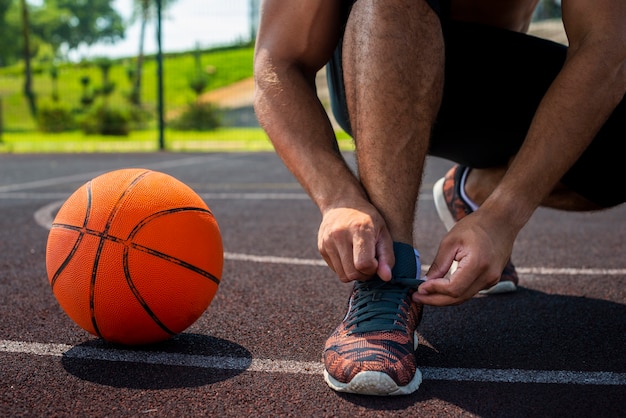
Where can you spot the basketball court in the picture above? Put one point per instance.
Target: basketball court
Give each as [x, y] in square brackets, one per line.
[554, 348]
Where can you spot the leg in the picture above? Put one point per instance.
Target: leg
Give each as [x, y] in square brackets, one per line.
[393, 73]
[393, 70]
[481, 182]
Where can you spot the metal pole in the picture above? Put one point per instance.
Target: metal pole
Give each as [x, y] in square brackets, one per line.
[160, 79]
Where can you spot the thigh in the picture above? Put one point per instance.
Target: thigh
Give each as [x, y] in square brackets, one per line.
[494, 82]
[599, 174]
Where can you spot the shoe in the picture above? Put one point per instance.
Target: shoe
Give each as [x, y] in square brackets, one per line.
[372, 351]
[451, 208]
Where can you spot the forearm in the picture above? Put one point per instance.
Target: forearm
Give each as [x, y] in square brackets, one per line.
[579, 101]
[297, 124]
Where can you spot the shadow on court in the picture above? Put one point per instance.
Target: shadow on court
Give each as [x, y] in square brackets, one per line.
[140, 375]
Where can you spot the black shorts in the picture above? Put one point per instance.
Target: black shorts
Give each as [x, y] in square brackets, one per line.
[494, 81]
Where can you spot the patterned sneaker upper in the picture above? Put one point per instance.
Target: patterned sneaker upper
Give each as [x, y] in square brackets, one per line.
[448, 189]
[378, 331]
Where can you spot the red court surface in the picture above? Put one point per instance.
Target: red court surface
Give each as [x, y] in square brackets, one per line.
[554, 348]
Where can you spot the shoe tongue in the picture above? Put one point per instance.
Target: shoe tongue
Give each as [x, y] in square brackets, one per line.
[406, 261]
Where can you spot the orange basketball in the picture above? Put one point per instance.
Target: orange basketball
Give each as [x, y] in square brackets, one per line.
[134, 256]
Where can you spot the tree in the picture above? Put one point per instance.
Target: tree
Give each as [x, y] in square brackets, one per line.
[57, 23]
[28, 73]
[145, 11]
[72, 23]
[9, 33]
[12, 34]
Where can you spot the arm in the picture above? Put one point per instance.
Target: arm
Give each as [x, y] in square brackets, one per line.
[295, 39]
[581, 98]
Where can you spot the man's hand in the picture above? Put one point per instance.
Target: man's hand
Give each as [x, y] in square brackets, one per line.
[481, 247]
[355, 243]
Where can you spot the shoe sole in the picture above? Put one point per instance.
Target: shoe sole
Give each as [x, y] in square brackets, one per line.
[500, 287]
[444, 212]
[376, 383]
[440, 204]
[448, 221]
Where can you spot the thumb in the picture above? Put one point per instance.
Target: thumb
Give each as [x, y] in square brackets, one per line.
[440, 266]
[386, 259]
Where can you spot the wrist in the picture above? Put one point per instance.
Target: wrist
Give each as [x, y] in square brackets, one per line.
[344, 198]
[509, 209]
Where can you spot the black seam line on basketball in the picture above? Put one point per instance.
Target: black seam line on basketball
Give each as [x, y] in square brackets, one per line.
[92, 313]
[81, 234]
[139, 298]
[167, 257]
[176, 261]
[147, 250]
[103, 239]
[141, 248]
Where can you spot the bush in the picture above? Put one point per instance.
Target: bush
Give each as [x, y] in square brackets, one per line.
[105, 120]
[55, 117]
[139, 117]
[197, 117]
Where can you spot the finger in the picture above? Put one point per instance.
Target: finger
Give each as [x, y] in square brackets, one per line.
[364, 259]
[335, 264]
[461, 286]
[333, 258]
[386, 258]
[439, 292]
[440, 265]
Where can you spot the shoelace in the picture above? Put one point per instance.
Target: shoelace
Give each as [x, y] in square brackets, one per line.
[388, 298]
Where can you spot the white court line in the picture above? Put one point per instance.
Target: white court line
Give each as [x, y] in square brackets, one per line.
[87, 176]
[301, 367]
[522, 270]
[45, 215]
[274, 260]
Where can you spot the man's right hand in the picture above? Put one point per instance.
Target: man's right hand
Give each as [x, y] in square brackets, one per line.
[355, 243]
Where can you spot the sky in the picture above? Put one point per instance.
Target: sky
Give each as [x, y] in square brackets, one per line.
[184, 25]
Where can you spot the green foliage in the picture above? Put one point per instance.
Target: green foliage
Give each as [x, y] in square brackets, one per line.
[197, 116]
[54, 117]
[199, 83]
[77, 22]
[106, 120]
[10, 33]
[53, 23]
[231, 65]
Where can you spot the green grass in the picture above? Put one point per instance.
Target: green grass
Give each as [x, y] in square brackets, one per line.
[230, 65]
[223, 139]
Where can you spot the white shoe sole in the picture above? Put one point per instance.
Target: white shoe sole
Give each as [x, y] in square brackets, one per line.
[500, 287]
[444, 212]
[441, 205]
[374, 383]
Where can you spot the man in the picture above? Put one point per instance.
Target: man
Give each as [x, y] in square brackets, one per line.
[529, 122]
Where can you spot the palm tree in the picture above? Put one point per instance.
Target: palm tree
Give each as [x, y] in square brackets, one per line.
[145, 10]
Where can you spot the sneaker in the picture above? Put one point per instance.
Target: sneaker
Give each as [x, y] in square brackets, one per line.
[372, 351]
[451, 208]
